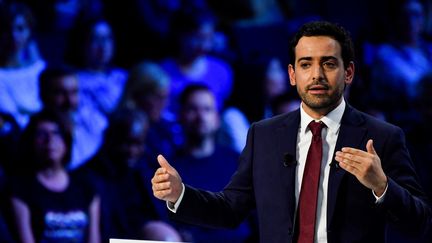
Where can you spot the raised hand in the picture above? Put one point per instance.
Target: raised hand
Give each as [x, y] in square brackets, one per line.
[166, 183]
[365, 166]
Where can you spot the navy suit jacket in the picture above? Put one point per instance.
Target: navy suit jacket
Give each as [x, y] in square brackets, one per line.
[265, 181]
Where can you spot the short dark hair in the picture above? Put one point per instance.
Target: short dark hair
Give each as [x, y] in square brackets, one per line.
[48, 75]
[191, 89]
[324, 28]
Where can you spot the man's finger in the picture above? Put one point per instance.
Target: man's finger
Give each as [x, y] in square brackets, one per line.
[353, 151]
[162, 193]
[160, 171]
[163, 162]
[348, 158]
[159, 178]
[161, 186]
[370, 148]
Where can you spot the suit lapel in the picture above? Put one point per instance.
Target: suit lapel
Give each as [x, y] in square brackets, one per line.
[286, 136]
[351, 134]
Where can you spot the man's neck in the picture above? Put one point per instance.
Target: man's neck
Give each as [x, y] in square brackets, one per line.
[318, 113]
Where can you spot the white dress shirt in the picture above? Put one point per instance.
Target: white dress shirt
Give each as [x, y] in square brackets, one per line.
[329, 137]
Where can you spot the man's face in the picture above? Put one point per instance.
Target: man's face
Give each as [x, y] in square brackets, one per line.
[199, 116]
[319, 74]
[64, 95]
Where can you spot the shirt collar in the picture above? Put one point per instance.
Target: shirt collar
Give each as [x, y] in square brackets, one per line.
[332, 119]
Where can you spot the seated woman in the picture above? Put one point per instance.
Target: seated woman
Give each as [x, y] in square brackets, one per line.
[50, 205]
[20, 63]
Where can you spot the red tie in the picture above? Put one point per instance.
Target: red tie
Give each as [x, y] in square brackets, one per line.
[309, 188]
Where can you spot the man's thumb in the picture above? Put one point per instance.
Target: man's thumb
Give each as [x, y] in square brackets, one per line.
[163, 162]
[370, 148]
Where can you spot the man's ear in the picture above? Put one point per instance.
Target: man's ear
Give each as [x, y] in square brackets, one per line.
[291, 73]
[349, 73]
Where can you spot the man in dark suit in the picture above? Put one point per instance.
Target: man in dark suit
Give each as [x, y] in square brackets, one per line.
[366, 179]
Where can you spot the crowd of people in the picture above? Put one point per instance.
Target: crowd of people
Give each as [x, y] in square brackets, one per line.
[92, 91]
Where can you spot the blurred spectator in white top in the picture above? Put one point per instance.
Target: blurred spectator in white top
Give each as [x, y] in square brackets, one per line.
[20, 63]
[194, 37]
[91, 50]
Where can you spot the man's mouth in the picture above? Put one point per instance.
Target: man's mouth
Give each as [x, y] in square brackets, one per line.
[318, 89]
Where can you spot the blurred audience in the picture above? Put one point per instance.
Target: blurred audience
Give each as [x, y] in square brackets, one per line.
[401, 62]
[91, 51]
[148, 89]
[20, 63]
[127, 209]
[50, 205]
[153, 20]
[284, 103]
[233, 129]
[9, 136]
[6, 235]
[202, 161]
[5, 231]
[193, 36]
[56, 18]
[262, 12]
[275, 83]
[418, 136]
[59, 91]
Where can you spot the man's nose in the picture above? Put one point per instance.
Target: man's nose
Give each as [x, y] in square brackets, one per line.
[317, 72]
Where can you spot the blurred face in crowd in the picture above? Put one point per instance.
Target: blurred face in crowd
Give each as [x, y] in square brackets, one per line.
[64, 94]
[20, 32]
[275, 79]
[130, 146]
[412, 18]
[199, 42]
[100, 45]
[319, 74]
[153, 103]
[199, 116]
[49, 145]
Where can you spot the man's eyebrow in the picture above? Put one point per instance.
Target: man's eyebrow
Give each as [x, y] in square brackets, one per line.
[304, 59]
[326, 58]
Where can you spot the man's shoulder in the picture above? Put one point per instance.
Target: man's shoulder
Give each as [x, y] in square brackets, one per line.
[364, 119]
[279, 120]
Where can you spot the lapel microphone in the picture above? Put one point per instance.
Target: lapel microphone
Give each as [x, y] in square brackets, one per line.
[334, 164]
[288, 160]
